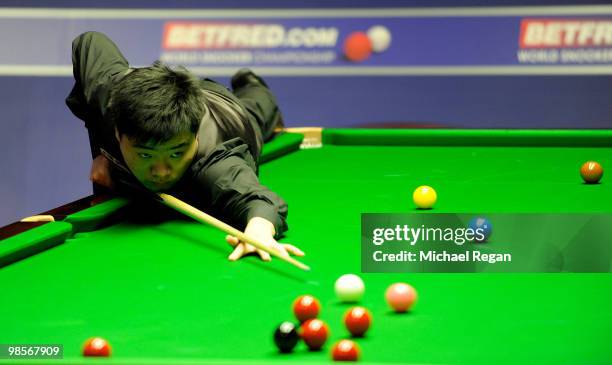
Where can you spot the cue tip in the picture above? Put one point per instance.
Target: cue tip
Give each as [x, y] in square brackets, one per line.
[302, 266]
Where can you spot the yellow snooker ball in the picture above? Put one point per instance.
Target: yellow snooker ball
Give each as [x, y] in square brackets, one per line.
[424, 197]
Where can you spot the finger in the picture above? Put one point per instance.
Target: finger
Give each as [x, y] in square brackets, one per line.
[293, 250]
[281, 249]
[264, 255]
[248, 249]
[237, 253]
[233, 241]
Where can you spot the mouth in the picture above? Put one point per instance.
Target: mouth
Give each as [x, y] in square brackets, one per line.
[160, 185]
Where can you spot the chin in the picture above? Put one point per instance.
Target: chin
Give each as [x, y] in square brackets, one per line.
[159, 188]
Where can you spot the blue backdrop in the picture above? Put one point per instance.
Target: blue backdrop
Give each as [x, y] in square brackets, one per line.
[46, 151]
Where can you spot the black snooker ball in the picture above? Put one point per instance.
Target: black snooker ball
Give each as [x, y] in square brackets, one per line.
[286, 337]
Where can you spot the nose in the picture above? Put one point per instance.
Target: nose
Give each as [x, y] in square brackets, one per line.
[161, 171]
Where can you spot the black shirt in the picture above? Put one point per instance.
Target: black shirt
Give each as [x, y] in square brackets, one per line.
[222, 179]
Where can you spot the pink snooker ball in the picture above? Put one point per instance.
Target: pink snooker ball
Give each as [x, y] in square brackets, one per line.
[401, 297]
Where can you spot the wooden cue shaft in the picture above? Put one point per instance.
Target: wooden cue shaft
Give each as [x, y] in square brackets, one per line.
[200, 216]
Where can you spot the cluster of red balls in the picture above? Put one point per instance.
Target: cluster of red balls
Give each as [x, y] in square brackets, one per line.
[314, 332]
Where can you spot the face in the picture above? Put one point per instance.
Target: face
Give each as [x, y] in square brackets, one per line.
[159, 166]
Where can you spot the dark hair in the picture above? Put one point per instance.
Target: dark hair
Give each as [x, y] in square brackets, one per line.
[156, 103]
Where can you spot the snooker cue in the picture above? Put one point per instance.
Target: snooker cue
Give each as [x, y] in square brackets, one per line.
[202, 217]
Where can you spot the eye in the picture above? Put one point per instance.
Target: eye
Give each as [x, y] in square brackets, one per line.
[144, 155]
[177, 154]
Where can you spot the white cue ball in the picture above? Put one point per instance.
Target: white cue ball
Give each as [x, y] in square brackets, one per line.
[380, 37]
[349, 288]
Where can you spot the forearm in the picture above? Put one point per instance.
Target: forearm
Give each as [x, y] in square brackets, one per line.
[228, 182]
[96, 61]
[272, 209]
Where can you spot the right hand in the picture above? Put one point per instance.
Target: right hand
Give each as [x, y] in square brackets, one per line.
[100, 172]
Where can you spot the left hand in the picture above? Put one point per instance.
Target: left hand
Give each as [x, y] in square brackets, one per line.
[262, 230]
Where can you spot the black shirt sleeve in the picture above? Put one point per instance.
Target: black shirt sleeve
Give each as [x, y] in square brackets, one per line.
[226, 179]
[96, 62]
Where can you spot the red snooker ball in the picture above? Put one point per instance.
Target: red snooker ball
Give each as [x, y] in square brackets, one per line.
[345, 350]
[591, 172]
[314, 332]
[96, 346]
[357, 321]
[357, 47]
[306, 307]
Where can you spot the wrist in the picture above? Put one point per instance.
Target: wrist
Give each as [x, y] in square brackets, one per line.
[264, 224]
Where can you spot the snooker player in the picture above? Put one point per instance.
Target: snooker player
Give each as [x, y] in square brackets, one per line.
[165, 130]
